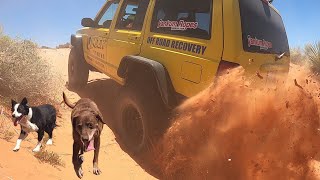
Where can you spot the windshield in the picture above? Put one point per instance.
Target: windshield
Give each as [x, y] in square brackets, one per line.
[262, 28]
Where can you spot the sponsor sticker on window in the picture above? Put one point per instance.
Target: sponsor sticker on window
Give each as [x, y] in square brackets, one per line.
[263, 44]
[177, 25]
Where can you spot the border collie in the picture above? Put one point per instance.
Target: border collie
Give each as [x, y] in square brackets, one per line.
[38, 119]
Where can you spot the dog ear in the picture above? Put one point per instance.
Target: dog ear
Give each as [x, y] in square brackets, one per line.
[24, 101]
[74, 123]
[98, 116]
[13, 102]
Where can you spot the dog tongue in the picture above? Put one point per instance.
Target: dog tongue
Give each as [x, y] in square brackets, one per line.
[15, 123]
[90, 146]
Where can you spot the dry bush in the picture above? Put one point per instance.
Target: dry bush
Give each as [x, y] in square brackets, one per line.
[51, 158]
[66, 45]
[6, 132]
[23, 73]
[297, 56]
[312, 51]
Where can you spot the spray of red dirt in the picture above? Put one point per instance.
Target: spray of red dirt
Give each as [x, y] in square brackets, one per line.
[232, 131]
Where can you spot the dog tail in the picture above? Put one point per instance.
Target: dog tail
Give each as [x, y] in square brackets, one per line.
[67, 102]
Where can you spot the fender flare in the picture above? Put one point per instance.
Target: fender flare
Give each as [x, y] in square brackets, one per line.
[76, 41]
[158, 72]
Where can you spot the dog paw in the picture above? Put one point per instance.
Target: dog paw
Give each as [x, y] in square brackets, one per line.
[79, 172]
[81, 159]
[37, 149]
[16, 149]
[49, 142]
[96, 171]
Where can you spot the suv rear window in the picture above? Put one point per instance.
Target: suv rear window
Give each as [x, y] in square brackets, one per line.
[190, 18]
[262, 28]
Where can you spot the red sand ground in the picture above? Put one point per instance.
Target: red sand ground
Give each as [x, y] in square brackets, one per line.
[231, 131]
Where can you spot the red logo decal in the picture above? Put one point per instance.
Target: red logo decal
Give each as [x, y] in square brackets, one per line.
[263, 44]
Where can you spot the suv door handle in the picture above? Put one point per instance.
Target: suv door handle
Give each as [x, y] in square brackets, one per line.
[134, 37]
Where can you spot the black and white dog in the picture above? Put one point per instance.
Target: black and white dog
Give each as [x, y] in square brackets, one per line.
[38, 119]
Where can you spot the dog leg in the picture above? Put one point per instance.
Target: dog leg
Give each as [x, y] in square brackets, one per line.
[76, 160]
[22, 136]
[33, 126]
[49, 142]
[40, 136]
[38, 147]
[96, 169]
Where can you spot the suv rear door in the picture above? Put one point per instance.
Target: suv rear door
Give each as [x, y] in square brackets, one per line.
[266, 36]
[254, 37]
[127, 35]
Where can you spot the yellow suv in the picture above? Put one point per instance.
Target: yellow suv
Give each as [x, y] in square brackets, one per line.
[163, 51]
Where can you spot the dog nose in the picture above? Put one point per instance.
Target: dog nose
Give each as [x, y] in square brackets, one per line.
[85, 139]
[13, 115]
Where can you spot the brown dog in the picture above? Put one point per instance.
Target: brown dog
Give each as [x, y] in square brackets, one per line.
[87, 125]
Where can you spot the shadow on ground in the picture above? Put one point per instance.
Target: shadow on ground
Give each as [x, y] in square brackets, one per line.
[104, 92]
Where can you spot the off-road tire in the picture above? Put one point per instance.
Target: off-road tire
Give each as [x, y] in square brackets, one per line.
[139, 134]
[78, 69]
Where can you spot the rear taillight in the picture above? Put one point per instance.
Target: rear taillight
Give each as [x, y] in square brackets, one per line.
[225, 65]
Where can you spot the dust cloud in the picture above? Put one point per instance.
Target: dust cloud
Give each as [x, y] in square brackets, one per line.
[233, 130]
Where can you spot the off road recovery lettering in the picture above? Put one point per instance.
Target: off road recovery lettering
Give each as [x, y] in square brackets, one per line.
[179, 45]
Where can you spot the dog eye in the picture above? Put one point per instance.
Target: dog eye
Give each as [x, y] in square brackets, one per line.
[90, 125]
[79, 126]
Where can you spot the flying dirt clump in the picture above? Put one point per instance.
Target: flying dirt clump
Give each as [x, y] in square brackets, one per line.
[233, 131]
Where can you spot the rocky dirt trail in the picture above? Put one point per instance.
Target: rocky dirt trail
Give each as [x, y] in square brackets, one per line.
[113, 161]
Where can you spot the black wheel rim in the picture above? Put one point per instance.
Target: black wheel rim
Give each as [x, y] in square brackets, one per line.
[133, 125]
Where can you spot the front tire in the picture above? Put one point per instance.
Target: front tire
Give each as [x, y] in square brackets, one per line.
[139, 119]
[78, 70]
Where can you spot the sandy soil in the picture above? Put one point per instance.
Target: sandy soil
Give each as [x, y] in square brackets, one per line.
[114, 162]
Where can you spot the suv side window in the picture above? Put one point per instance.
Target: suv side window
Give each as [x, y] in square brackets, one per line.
[132, 14]
[191, 18]
[105, 18]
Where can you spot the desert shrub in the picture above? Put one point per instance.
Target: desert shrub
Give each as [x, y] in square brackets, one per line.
[22, 72]
[51, 158]
[297, 56]
[312, 52]
[66, 45]
[6, 132]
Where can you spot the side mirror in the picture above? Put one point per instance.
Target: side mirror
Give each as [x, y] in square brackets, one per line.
[87, 22]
